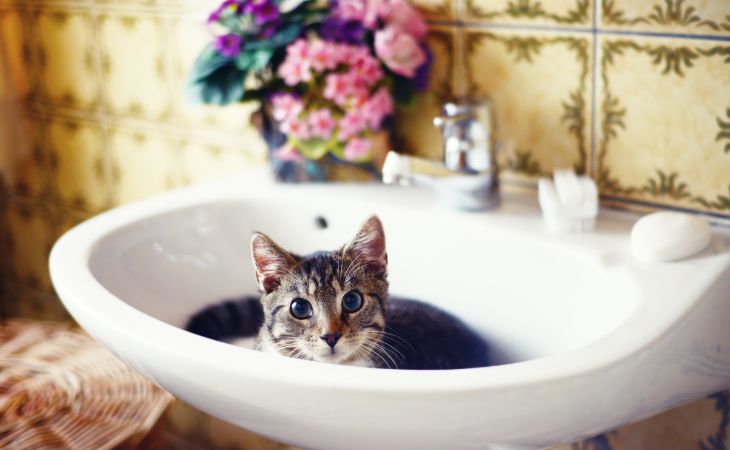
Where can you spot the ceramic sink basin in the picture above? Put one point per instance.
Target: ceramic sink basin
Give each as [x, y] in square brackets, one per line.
[583, 338]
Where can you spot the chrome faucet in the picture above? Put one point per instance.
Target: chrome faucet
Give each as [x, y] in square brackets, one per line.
[468, 177]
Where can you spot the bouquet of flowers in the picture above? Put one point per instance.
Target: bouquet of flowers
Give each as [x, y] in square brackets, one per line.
[327, 73]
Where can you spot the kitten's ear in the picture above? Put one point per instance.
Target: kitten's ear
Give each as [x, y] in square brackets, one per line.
[270, 260]
[369, 246]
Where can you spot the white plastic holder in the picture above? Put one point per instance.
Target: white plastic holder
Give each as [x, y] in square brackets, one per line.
[569, 202]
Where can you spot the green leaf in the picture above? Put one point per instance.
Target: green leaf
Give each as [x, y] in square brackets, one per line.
[254, 60]
[313, 148]
[215, 79]
[284, 36]
[403, 90]
[254, 95]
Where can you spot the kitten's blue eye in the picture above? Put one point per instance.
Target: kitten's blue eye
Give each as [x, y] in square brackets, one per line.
[352, 301]
[300, 308]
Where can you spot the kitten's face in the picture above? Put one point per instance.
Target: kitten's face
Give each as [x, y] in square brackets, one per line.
[326, 307]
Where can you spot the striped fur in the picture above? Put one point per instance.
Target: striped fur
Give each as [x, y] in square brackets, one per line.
[383, 333]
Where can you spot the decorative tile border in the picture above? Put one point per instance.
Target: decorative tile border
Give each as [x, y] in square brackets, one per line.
[671, 61]
[121, 67]
[437, 10]
[559, 12]
[73, 80]
[572, 107]
[672, 16]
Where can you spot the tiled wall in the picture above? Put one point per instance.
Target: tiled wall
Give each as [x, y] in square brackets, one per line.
[636, 93]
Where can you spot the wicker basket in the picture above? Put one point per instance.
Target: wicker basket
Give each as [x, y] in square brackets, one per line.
[60, 389]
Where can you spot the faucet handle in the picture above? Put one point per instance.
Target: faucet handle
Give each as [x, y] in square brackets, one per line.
[458, 119]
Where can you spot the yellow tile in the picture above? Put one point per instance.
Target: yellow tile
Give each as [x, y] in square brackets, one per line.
[31, 227]
[142, 164]
[694, 425]
[577, 13]
[66, 58]
[26, 158]
[31, 303]
[664, 123]
[134, 66]
[69, 218]
[13, 39]
[187, 422]
[80, 167]
[436, 9]
[224, 435]
[204, 161]
[415, 131]
[674, 16]
[540, 86]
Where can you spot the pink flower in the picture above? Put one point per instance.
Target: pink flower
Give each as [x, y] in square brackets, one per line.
[377, 108]
[352, 124]
[298, 50]
[295, 67]
[321, 123]
[285, 106]
[353, 54]
[323, 56]
[357, 149]
[400, 14]
[352, 9]
[296, 127]
[336, 88]
[368, 70]
[287, 152]
[294, 72]
[399, 51]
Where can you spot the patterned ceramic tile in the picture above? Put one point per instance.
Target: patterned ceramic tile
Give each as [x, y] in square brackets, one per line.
[701, 425]
[14, 32]
[136, 81]
[187, 422]
[67, 63]
[142, 164]
[437, 10]
[80, 167]
[69, 217]
[32, 229]
[32, 303]
[204, 161]
[27, 164]
[664, 122]
[573, 13]
[710, 17]
[540, 85]
[415, 132]
[230, 437]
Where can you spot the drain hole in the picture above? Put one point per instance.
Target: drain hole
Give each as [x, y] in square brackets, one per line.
[320, 222]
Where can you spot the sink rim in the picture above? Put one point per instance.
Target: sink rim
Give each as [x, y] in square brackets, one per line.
[72, 278]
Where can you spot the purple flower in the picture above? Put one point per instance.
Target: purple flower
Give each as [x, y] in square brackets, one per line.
[228, 44]
[420, 80]
[269, 30]
[340, 30]
[264, 11]
[216, 15]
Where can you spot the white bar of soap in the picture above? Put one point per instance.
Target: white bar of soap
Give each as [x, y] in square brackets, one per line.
[669, 236]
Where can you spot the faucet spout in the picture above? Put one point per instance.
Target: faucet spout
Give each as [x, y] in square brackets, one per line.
[465, 191]
[468, 177]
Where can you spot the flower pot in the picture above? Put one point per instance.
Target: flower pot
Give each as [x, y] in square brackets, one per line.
[290, 166]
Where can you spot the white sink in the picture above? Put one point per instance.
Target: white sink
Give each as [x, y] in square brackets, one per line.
[586, 339]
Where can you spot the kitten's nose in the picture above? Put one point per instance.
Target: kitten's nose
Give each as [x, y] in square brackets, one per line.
[331, 339]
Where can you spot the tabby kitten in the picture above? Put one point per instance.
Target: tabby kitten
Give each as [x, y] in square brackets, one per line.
[334, 307]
